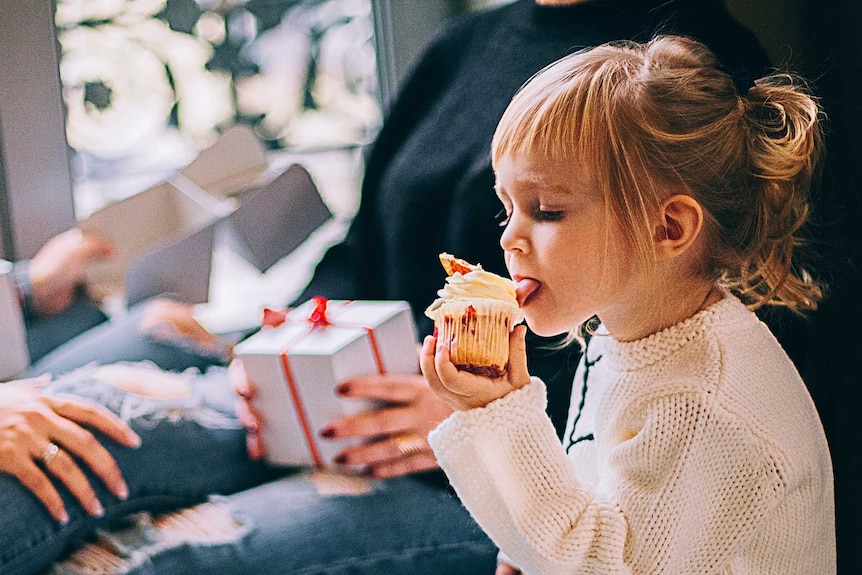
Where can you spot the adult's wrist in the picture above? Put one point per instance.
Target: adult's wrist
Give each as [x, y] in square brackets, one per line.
[21, 279]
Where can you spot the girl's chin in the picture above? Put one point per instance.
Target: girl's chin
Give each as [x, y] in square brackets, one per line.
[551, 323]
[546, 328]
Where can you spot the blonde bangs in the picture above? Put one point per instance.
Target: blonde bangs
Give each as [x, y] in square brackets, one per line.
[549, 116]
[578, 110]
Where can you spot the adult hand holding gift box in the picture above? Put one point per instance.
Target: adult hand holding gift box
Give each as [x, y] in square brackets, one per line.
[300, 356]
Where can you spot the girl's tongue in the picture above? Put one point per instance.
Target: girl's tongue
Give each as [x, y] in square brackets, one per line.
[524, 289]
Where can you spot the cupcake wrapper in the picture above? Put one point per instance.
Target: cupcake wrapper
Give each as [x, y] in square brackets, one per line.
[478, 334]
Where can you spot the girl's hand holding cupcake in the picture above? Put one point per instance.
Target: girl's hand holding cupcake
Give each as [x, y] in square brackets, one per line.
[475, 356]
[463, 390]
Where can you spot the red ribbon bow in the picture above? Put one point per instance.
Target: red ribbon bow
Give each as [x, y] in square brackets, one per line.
[318, 317]
[273, 318]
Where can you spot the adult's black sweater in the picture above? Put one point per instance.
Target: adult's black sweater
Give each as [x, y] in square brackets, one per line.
[428, 184]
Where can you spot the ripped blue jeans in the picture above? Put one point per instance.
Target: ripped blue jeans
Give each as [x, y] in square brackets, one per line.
[307, 523]
[192, 447]
[237, 517]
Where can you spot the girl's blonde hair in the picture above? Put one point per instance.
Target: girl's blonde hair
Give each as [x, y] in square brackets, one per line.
[655, 119]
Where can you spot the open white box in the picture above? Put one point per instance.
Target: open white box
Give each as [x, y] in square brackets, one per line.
[163, 243]
[164, 235]
[297, 366]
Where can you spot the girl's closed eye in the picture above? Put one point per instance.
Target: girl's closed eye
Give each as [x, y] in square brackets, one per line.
[542, 214]
[502, 218]
[537, 214]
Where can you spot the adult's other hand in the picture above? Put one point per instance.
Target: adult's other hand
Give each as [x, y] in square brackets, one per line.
[42, 435]
[60, 267]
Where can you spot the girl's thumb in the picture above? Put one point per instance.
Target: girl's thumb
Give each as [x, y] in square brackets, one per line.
[517, 368]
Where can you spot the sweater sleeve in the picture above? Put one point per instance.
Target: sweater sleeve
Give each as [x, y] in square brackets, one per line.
[683, 485]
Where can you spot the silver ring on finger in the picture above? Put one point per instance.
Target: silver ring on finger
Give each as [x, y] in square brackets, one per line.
[50, 452]
[410, 444]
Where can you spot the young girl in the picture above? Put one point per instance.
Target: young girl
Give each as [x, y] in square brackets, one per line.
[641, 188]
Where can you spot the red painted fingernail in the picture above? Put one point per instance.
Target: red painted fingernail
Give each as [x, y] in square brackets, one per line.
[340, 458]
[343, 389]
[327, 432]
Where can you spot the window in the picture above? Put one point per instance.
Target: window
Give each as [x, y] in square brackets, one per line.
[149, 83]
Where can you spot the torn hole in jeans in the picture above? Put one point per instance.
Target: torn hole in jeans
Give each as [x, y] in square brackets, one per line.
[144, 536]
[144, 393]
[145, 380]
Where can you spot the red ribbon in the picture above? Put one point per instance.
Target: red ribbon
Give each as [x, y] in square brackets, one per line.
[272, 318]
[301, 413]
[318, 319]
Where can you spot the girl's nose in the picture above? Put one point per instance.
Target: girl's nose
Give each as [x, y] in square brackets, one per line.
[513, 238]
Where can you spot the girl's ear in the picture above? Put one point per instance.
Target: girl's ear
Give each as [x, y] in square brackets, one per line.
[680, 222]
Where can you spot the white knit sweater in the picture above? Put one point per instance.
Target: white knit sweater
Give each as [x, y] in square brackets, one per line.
[696, 450]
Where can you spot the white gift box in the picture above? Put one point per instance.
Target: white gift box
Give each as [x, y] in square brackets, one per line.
[296, 367]
[14, 355]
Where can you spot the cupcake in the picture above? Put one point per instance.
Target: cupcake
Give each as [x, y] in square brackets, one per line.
[475, 311]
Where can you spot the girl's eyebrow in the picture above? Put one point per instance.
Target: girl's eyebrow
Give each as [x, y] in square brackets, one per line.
[539, 182]
[538, 185]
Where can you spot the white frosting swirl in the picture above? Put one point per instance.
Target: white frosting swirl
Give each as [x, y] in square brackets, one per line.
[475, 284]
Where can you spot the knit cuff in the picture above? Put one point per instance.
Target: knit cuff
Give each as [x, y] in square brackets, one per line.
[522, 407]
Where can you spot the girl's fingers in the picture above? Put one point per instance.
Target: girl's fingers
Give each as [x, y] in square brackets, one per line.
[459, 384]
[427, 363]
[517, 369]
[463, 390]
[442, 375]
